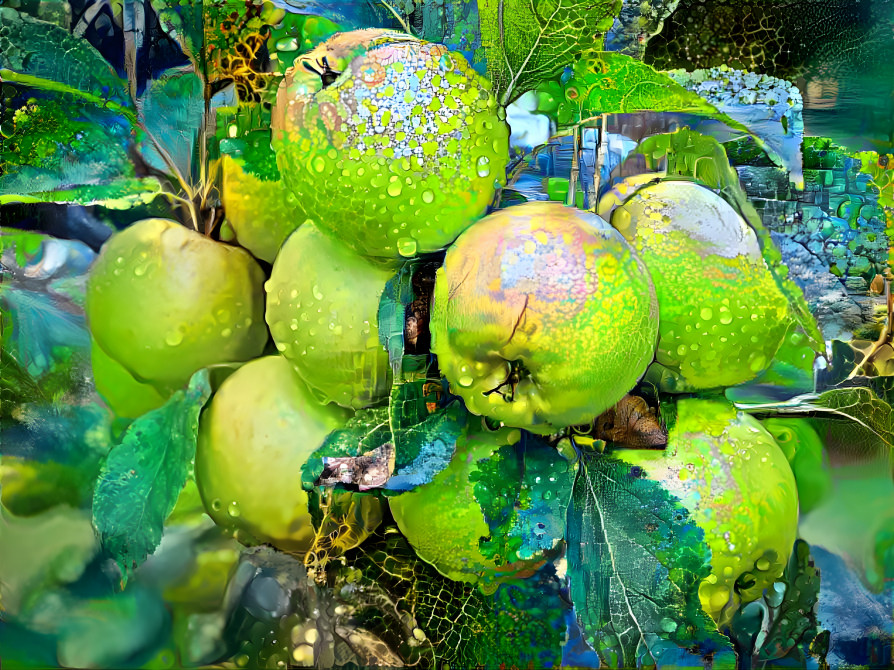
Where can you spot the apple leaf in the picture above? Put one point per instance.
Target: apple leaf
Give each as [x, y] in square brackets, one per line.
[771, 627]
[528, 42]
[531, 523]
[47, 52]
[770, 108]
[863, 407]
[635, 562]
[143, 476]
[613, 83]
[172, 110]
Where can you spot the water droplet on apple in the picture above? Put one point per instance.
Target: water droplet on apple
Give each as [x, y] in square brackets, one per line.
[174, 338]
[483, 166]
[233, 509]
[466, 380]
[406, 246]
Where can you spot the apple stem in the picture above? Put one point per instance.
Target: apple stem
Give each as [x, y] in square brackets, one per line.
[600, 160]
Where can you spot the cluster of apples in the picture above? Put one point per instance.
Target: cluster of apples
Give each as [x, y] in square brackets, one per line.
[543, 316]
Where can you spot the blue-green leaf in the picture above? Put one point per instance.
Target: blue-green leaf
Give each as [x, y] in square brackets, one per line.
[143, 476]
[635, 561]
[46, 51]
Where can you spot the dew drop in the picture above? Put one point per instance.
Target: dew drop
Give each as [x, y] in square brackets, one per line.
[428, 196]
[318, 294]
[174, 338]
[216, 504]
[406, 246]
[233, 509]
[466, 381]
[483, 166]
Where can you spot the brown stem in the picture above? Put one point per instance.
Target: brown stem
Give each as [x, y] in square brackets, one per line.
[886, 339]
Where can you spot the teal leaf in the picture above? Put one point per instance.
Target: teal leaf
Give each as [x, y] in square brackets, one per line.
[143, 476]
[46, 51]
[172, 110]
[527, 518]
[528, 42]
[635, 562]
[412, 437]
[396, 297]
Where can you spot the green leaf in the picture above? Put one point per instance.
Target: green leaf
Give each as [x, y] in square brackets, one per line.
[862, 407]
[635, 562]
[528, 521]
[772, 627]
[48, 52]
[59, 145]
[613, 83]
[143, 476]
[119, 194]
[528, 42]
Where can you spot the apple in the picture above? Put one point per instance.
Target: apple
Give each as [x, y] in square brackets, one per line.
[164, 301]
[263, 213]
[322, 308]
[722, 314]
[254, 438]
[444, 520]
[543, 317]
[736, 482]
[393, 145]
[124, 395]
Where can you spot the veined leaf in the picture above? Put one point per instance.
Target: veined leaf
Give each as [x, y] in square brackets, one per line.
[143, 476]
[635, 561]
[859, 405]
[172, 110]
[613, 83]
[46, 51]
[863, 407]
[528, 42]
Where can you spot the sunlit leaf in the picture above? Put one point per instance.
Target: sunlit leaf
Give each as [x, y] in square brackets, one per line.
[612, 83]
[528, 42]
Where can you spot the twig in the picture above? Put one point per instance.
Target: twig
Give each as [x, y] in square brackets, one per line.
[575, 166]
[400, 19]
[600, 158]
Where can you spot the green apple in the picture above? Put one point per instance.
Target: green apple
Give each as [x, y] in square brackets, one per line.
[322, 308]
[124, 395]
[722, 314]
[444, 521]
[392, 144]
[263, 213]
[728, 471]
[254, 437]
[543, 317]
[165, 301]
